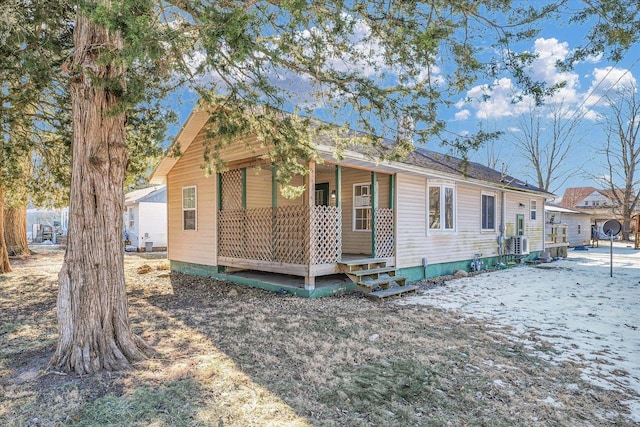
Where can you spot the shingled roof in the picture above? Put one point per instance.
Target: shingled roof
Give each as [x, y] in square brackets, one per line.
[429, 160]
[432, 160]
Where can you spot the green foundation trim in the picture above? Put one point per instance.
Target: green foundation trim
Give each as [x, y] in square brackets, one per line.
[218, 273]
[411, 273]
[448, 268]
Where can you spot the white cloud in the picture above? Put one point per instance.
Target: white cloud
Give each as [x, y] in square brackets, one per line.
[594, 59]
[605, 82]
[543, 68]
[500, 99]
[462, 115]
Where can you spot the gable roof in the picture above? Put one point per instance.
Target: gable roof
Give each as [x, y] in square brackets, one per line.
[611, 194]
[419, 162]
[574, 195]
[137, 196]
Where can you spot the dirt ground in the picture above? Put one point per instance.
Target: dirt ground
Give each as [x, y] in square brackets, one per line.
[229, 355]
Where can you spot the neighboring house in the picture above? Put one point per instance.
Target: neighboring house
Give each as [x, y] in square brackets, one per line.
[47, 224]
[145, 218]
[426, 216]
[568, 226]
[601, 205]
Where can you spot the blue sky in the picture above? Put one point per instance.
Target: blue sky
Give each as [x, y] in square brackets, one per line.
[493, 108]
[583, 97]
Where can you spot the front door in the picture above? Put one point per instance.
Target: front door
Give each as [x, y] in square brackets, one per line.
[519, 225]
[322, 194]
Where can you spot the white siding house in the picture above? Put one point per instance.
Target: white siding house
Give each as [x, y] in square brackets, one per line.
[145, 218]
[427, 215]
[577, 225]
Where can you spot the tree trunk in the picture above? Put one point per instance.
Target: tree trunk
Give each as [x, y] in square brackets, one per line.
[92, 305]
[15, 230]
[5, 267]
[626, 227]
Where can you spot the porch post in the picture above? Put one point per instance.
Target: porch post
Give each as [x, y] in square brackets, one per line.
[374, 206]
[392, 205]
[392, 191]
[309, 280]
[274, 187]
[243, 172]
[219, 268]
[219, 191]
[338, 185]
[274, 212]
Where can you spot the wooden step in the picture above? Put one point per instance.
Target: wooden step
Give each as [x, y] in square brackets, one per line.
[396, 290]
[362, 264]
[383, 282]
[373, 271]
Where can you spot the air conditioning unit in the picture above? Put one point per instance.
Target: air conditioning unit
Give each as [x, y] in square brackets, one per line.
[519, 245]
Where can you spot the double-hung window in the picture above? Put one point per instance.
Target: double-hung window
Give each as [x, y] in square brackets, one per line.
[189, 206]
[533, 210]
[488, 206]
[441, 202]
[361, 207]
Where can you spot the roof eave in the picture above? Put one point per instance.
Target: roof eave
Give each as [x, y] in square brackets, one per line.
[360, 160]
[190, 129]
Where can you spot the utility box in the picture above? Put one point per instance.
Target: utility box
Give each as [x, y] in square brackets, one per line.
[148, 246]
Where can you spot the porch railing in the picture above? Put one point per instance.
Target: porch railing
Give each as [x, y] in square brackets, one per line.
[384, 233]
[556, 234]
[288, 234]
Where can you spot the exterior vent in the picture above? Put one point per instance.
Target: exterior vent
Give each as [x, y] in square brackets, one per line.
[519, 245]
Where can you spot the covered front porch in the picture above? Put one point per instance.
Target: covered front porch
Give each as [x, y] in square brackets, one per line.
[344, 213]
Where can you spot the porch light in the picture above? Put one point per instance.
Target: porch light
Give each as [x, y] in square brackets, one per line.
[333, 194]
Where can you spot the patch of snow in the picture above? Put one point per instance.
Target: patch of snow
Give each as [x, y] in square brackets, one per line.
[589, 317]
[551, 401]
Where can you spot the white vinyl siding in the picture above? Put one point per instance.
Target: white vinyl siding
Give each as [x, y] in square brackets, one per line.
[417, 244]
[488, 207]
[441, 207]
[189, 208]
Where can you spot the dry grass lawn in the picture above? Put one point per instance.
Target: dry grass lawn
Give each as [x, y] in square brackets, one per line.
[234, 356]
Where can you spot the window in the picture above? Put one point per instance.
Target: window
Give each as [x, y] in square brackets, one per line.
[488, 207]
[441, 207]
[533, 209]
[361, 207]
[189, 205]
[131, 217]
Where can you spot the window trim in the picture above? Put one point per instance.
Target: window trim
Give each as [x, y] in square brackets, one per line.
[533, 209]
[194, 208]
[354, 207]
[442, 186]
[495, 208]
